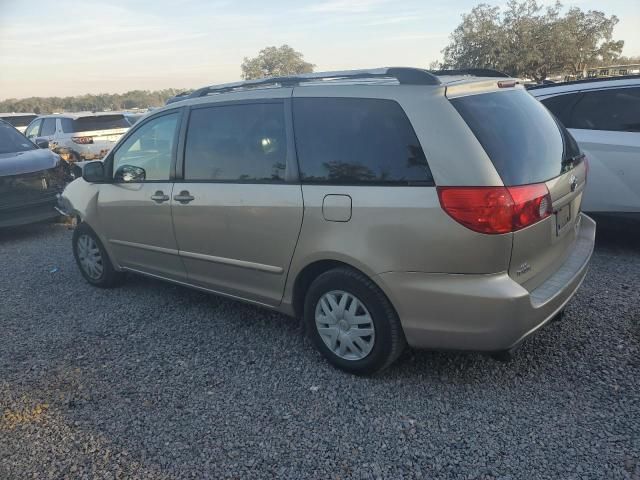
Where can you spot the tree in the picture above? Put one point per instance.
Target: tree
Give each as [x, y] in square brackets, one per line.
[274, 62]
[589, 39]
[528, 40]
[100, 102]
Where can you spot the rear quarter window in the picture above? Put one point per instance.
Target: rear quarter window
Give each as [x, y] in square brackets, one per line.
[520, 136]
[357, 141]
[616, 109]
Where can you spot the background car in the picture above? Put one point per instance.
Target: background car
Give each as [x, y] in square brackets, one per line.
[30, 179]
[79, 136]
[603, 115]
[18, 120]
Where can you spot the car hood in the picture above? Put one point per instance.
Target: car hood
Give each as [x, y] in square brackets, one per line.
[27, 162]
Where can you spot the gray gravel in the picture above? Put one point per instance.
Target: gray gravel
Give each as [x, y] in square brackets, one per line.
[156, 381]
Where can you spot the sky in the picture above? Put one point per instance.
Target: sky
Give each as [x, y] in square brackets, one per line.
[66, 47]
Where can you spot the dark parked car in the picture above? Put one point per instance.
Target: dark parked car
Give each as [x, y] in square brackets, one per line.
[30, 179]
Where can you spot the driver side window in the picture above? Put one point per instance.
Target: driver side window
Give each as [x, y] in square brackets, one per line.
[150, 147]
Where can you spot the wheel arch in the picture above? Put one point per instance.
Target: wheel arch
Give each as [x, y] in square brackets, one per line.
[313, 270]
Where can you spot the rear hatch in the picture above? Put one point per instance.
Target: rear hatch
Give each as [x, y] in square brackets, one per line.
[529, 147]
[103, 131]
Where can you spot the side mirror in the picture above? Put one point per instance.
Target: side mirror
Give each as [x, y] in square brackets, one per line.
[93, 172]
[129, 174]
[42, 143]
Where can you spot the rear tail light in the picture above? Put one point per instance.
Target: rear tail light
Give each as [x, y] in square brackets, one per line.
[82, 140]
[495, 210]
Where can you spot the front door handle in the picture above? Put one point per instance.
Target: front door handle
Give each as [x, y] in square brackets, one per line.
[159, 197]
[184, 197]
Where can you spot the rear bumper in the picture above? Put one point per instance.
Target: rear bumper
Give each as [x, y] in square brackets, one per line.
[483, 312]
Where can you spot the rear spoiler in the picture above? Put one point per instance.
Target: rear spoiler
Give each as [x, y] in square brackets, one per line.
[481, 86]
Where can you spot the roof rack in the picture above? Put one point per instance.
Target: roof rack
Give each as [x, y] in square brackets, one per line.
[585, 80]
[476, 72]
[404, 76]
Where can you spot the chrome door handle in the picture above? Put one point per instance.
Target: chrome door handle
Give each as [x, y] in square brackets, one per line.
[184, 197]
[159, 197]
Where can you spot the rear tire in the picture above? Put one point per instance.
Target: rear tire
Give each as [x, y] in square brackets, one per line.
[352, 323]
[92, 258]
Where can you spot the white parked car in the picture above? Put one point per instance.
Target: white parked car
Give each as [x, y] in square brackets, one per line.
[79, 136]
[603, 115]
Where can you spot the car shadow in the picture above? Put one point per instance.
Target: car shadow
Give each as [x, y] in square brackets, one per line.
[617, 234]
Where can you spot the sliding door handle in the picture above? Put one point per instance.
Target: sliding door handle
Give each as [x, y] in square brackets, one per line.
[184, 197]
[159, 197]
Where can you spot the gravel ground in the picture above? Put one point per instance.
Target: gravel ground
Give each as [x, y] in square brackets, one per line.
[152, 380]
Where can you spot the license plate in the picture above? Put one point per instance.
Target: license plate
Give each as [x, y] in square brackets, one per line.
[563, 217]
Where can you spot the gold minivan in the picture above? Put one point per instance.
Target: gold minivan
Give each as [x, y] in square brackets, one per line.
[385, 207]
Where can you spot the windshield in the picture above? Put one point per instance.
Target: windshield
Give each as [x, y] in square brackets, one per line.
[12, 141]
[99, 122]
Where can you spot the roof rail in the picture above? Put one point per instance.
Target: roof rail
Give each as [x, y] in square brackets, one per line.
[476, 72]
[404, 76]
[635, 76]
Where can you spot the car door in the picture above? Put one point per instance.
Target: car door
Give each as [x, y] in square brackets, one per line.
[48, 131]
[237, 212]
[606, 124]
[134, 207]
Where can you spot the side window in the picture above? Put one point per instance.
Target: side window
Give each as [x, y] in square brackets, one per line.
[48, 127]
[237, 143]
[33, 129]
[357, 141]
[150, 147]
[67, 125]
[615, 110]
[562, 105]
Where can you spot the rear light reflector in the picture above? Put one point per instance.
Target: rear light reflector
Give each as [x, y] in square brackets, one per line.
[586, 167]
[82, 140]
[496, 210]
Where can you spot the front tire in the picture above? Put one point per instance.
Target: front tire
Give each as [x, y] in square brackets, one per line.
[352, 323]
[92, 258]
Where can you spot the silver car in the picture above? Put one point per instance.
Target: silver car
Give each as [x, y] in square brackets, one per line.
[79, 136]
[384, 207]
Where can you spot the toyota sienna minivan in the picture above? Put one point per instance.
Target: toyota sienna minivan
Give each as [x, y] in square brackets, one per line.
[384, 207]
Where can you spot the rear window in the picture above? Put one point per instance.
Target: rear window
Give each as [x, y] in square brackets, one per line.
[522, 139]
[101, 122]
[19, 120]
[357, 141]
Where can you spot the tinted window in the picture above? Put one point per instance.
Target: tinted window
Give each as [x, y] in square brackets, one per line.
[19, 120]
[150, 147]
[615, 110]
[236, 143]
[520, 136]
[67, 125]
[32, 130]
[355, 140]
[13, 141]
[48, 127]
[561, 106]
[99, 122]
